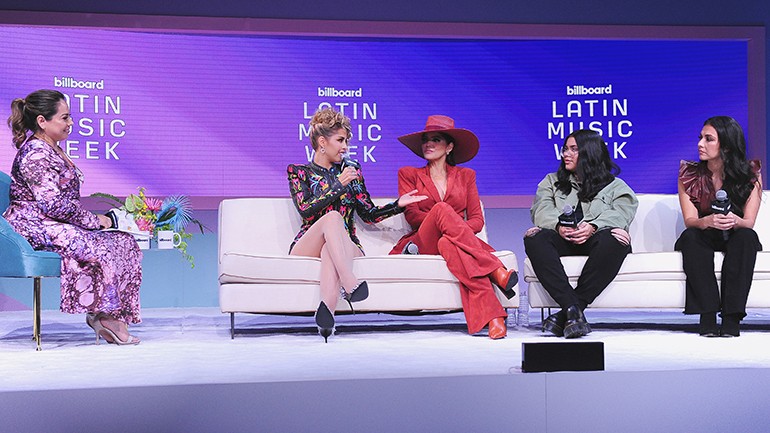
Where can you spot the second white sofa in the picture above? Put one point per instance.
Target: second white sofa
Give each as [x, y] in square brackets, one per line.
[652, 276]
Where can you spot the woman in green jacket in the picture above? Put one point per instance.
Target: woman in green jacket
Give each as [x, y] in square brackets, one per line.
[581, 210]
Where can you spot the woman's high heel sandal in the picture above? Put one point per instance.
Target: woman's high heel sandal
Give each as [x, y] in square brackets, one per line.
[106, 333]
[505, 280]
[359, 293]
[325, 321]
[90, 321]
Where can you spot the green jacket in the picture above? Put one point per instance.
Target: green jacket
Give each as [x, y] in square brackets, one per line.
[614, 206]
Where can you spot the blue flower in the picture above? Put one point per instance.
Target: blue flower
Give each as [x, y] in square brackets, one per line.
[175, 211]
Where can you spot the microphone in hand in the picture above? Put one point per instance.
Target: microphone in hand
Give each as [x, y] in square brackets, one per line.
[722, 206]
[347, 161]
[568, 218]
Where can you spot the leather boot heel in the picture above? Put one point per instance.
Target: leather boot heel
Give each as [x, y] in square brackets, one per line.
[576, 324]
[497, 329]
[505, 280]
[555, 323]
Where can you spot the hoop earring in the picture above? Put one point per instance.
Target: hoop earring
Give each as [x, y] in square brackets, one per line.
[323, 150]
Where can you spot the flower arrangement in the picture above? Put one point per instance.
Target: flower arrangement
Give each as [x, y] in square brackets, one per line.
[153, 214]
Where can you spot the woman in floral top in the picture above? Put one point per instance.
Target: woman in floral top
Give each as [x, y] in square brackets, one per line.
[327, 192]
[100, 271]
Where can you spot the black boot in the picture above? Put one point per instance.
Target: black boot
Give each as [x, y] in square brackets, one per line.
[555, 323]
[731, 325]
[576, 324]
[708, 325]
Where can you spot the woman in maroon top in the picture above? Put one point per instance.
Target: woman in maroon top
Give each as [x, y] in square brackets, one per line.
[722, 166]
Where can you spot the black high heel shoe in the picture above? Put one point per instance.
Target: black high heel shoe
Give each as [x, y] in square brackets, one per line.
[325, 321]
[359, 293]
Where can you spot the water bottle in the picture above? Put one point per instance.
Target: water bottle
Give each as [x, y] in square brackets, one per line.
[522, 318]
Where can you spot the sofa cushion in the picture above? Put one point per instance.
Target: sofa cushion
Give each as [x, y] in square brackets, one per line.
[263, 268]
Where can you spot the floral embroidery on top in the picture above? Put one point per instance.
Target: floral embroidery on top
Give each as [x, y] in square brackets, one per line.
[316, 191]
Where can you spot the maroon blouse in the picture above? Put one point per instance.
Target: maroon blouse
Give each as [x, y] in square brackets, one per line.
[696, 178]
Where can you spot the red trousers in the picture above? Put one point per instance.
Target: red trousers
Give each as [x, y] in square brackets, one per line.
[469, 259]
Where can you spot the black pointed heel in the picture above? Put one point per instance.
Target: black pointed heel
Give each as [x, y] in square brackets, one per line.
[325, 321]
[325, 333]
[359, 293]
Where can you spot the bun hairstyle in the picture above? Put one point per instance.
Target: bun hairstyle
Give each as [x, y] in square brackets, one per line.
[24, 112]
[325, 123]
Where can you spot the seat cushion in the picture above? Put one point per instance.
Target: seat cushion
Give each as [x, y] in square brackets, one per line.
[650, 267]
[255, 268]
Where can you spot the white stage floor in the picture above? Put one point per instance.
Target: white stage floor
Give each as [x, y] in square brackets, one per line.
[192, 347]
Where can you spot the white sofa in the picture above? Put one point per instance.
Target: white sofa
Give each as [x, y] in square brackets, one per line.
[256, 274]
[652, 276]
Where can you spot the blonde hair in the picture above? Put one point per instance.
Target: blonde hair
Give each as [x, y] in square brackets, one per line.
[325, 123]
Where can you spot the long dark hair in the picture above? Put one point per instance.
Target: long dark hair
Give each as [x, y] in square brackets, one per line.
[739, 178]
[594, 170]
[24, 112]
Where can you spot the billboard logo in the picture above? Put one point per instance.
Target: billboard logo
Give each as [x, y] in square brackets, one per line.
[334, 93]
[72, 83]
[583, 90]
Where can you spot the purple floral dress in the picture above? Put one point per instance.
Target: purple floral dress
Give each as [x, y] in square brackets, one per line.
[101, 271]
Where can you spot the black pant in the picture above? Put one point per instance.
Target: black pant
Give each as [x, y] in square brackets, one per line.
[697, 247]
[605, 256]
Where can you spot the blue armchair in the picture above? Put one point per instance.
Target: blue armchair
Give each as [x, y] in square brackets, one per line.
[19, 260]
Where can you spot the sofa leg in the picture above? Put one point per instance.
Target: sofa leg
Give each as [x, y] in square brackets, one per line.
[232, 326]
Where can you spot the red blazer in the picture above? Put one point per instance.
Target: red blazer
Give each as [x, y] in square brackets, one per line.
[461, 194]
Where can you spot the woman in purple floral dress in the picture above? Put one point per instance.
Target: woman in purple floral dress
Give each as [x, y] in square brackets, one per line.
[327, 193]
[101, 271]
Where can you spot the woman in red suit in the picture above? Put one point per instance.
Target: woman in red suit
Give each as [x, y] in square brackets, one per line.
[446, 222]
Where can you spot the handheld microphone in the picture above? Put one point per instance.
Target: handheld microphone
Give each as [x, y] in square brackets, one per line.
[568, 217]
[410, 248]
[722, 206]
[347, 161]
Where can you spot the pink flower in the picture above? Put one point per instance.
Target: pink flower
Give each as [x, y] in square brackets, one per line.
[144, 225]
[153, 204]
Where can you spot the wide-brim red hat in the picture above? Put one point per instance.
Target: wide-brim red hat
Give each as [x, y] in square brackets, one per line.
[466, 143]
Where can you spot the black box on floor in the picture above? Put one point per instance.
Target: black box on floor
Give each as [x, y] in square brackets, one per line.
[573, 356]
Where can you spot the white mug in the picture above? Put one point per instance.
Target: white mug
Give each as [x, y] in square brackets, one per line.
[168, 239]
[143, 242]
